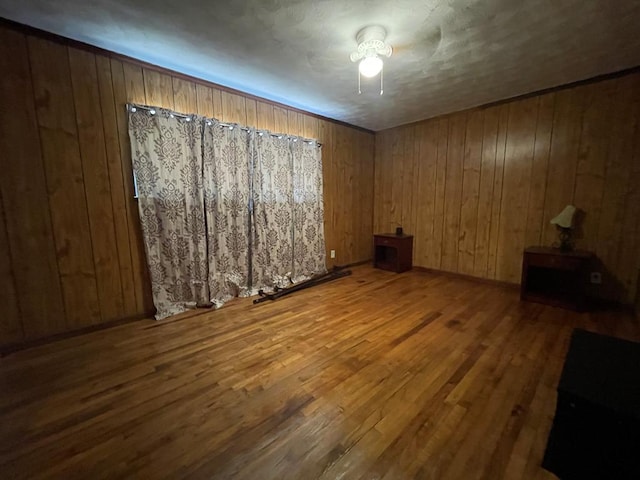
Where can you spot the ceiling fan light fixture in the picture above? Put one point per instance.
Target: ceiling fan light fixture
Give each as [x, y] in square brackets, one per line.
[370, 66]
[371, 47]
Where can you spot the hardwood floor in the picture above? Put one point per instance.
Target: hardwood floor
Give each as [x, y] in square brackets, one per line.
[377, 375]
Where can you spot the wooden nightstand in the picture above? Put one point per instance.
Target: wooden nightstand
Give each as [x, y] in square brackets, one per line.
[393, 252]
[554, 277]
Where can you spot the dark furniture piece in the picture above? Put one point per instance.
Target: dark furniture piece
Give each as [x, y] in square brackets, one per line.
[596, 429]
[557, 278]
[393, 252]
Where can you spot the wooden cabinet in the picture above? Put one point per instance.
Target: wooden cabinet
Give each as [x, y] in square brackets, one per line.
[554, 277]
[393, 252]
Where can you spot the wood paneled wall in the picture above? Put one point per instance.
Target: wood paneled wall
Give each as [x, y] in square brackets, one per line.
[71, 252]
[476, 187]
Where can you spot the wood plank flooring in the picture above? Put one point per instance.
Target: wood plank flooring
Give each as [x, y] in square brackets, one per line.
[374, 376]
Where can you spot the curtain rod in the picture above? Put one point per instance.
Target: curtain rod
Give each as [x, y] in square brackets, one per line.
[134, 106]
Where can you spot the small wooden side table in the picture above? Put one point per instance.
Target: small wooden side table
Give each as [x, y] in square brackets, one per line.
[393, 252]
[557, 278]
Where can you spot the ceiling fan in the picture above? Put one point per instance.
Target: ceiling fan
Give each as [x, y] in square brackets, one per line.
[371, 47]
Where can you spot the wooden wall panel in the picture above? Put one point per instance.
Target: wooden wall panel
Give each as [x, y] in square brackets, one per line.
[382, 172]
[128, 87]
[184, 96]
[72, 251]
[592, 155]
[34, 265]
[265, 119]
[251, 109]
[158, 88]
[442, 138]
[84, 81]
[453, 191]
[613, 247]
[563, 157]
[485, 194]
[280, 120]
[130, 211]
[498, 179]
[366, 151]
[347, 207]
[427, 153]
[11, 325]
[65, 180]
[488, 190]
[204, 99]
[116, 184]
[540, 164]
[470, 192]
[397, 179]
[234, 111]
[515, 186]
[629, 247]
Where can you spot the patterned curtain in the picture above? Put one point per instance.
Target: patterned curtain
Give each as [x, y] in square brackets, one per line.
[272, 239]
[288, 211]
[227, 157]
[224, 211]
[309, 256]
[167, 163]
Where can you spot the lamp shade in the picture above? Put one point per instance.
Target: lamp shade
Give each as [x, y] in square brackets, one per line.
[370, 66]
[565, 218]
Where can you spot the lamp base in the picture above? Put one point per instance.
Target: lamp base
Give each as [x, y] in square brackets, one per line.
[564, 235]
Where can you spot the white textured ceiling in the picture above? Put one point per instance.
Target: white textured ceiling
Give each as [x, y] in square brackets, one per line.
[448, 54]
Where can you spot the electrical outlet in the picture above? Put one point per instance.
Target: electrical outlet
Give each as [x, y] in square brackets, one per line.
[596, 278]
[333, 254]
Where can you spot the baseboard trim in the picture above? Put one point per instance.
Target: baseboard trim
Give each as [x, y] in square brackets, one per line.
[38, 342]
[464, 276]
[18, 346]
[595, 302]
[357, 264]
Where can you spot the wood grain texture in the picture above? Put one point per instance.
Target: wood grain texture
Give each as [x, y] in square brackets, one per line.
[440, 378]
[498, 179]
[158, 89]
[204, 99]
[65, 181]
[11, 325]
[184, 96]
[72, 226]
[563, 157]
[515, 187]
[453, 192]
[488, 190]
[84, 80]
[485, 195]
[470, 188]
[34, 266]
[128, 83]
[116, 181]
[538, 187]
[440, 190]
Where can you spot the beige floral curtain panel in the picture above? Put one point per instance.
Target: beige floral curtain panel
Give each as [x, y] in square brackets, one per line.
[227, 157]
[225, 210]
[272, 247]
[309, 256]
[288, 211]
[167, 161]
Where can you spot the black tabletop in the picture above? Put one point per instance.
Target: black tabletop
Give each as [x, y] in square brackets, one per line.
[604, 371]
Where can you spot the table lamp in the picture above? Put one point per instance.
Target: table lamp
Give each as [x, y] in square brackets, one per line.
[564, 224]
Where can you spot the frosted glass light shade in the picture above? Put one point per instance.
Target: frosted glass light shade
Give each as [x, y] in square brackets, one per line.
[565, 218]
[370, 66]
